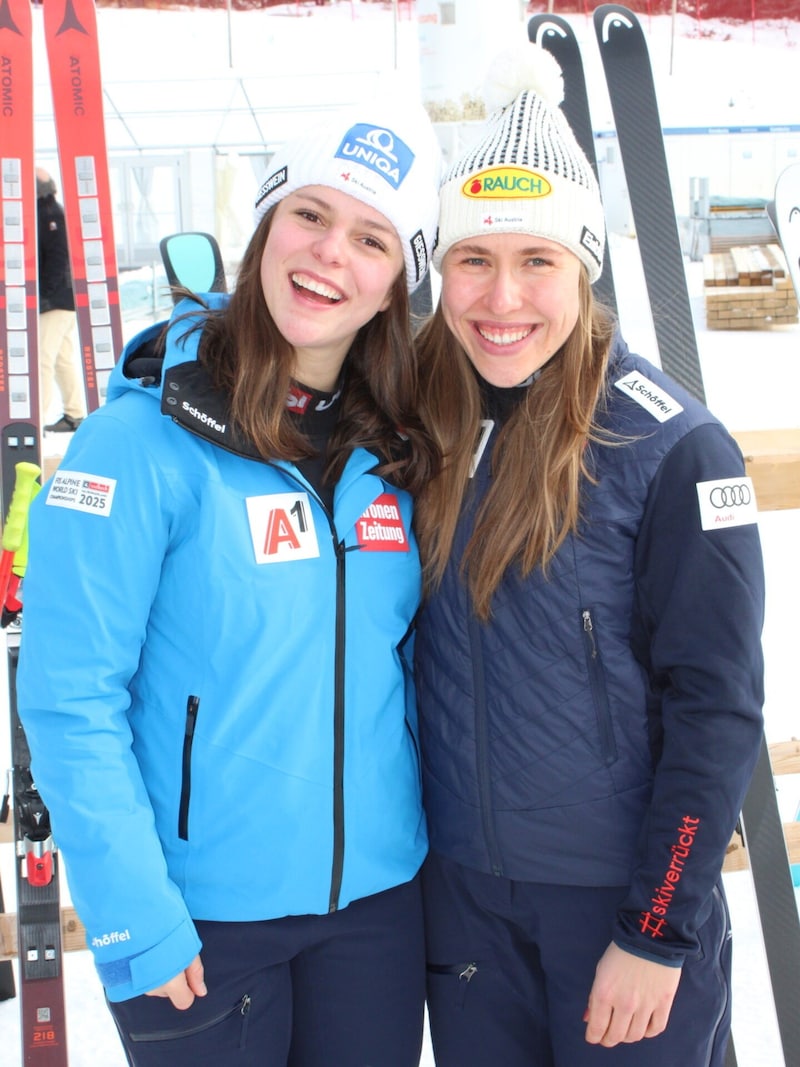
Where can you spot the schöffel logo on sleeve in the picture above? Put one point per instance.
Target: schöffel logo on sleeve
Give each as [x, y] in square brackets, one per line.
[377, 149]
[275, 181]
[651, 396]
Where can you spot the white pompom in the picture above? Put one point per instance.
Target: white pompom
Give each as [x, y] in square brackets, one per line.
[528, 67]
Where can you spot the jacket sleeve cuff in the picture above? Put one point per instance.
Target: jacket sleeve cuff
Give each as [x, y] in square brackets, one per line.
[670, 959]
[133, 975]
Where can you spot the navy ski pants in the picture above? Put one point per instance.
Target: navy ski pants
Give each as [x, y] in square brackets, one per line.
[511, 964]
[340, 990]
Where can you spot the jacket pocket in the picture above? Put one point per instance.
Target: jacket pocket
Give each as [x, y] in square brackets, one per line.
[192, 707]
[241, 1009]
[597, 685]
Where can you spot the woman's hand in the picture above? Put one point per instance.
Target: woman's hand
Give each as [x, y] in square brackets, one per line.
[184, 987]
[631, 998]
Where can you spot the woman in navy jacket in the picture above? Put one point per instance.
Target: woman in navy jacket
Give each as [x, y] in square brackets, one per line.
[588, 657]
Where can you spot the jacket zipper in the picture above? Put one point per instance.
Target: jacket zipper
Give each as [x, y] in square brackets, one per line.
[597, 685]
[192, 707]
[338, 729]
[337, 861]
[482, 749]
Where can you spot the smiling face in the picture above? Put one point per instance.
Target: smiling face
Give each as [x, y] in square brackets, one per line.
[328, 267]
[511, 300]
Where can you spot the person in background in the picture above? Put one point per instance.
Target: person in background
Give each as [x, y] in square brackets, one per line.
[57, 320]
[216, 689]
[589, 668]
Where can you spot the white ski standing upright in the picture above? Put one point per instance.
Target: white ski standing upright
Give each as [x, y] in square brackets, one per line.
[787, 219]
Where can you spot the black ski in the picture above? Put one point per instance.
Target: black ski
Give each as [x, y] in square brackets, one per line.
[630, 84]
[629, 77]
[556, 36]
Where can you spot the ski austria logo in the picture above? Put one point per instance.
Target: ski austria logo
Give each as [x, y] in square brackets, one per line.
[380, 528]
[82, 492]
[506, 183]
[282, 527]
[377, 149]
[729, 502]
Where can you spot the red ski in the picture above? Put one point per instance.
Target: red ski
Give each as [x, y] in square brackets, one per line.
[70, 28]
[41, 979]
[19, 383]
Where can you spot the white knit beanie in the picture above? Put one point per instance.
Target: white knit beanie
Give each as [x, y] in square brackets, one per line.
[385, 154]
[527, 174]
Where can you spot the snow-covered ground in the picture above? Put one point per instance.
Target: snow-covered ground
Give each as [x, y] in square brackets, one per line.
[711, 72]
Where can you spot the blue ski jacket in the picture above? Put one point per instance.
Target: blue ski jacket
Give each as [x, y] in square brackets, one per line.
[213, 676]
[602, 727]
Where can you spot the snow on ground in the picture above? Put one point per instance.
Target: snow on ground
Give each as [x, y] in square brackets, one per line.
[752, 381]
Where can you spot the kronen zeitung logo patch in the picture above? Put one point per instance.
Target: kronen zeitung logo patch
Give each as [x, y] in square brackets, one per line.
[504, 183]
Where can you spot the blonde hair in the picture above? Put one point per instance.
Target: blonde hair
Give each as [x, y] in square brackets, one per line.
[538, 461]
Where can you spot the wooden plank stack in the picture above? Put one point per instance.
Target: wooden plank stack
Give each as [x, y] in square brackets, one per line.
[748, 287]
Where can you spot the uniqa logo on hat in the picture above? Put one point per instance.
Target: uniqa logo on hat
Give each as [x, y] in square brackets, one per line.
[504, 183]
[377, 149]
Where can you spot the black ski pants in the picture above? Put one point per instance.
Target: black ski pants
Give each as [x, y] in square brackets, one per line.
[339, 990]
[511, 964]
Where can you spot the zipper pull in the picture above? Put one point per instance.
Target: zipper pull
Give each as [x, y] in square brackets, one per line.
[468, 972]
[588, 629]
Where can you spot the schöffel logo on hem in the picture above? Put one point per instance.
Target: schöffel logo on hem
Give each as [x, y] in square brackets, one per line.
[506, 183]
[379, 150]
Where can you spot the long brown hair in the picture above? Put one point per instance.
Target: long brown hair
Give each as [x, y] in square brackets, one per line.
[249, 359]
[538, 460]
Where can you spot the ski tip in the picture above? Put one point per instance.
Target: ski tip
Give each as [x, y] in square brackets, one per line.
[543, 29]
[610, 19]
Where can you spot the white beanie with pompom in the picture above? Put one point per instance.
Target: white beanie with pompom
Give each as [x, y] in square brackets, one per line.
[527, 174]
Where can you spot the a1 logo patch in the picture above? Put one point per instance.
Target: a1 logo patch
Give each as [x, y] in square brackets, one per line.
[282, 527]
[380, 528]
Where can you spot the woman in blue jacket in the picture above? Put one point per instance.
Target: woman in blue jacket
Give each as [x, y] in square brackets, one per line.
[588, 659]
[214, 678]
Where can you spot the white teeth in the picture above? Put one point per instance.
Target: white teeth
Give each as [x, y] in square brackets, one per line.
[302, 281]
[505, 337]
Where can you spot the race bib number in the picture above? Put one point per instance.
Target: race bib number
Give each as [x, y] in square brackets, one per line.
[82, 492]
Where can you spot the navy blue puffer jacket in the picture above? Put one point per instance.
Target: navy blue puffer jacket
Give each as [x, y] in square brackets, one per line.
[602, 727]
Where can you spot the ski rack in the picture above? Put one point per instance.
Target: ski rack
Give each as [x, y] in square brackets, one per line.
[628, 74]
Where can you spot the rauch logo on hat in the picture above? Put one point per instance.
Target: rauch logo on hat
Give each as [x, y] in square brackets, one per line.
[503, 183]
[378, 149]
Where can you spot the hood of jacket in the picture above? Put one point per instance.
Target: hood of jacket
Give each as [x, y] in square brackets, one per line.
[167, 370]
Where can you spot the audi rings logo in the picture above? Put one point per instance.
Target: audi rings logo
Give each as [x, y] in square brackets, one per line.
[727, 502]
[731, 496]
